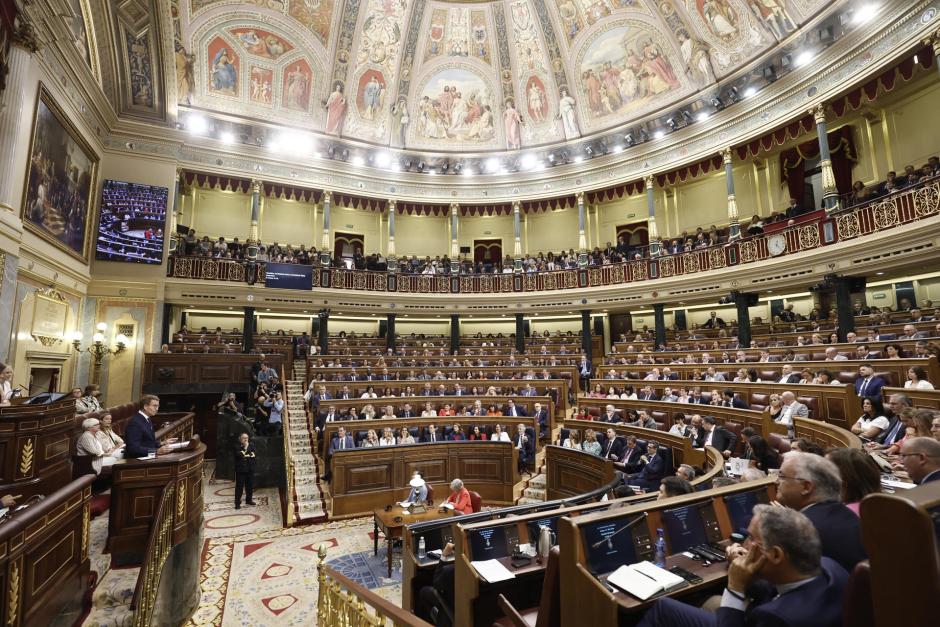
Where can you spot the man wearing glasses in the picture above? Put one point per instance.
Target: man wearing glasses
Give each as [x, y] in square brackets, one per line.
[921, 459]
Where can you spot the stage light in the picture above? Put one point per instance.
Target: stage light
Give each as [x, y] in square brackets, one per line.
[197, 124]
[382, 159]
[458, 167]
[358, 161]
[492, 164]
[578, 158]
[686, 116]
[733, 94]
[864, 13]
[589, 151]
[804, 57]
[658, 133]
[528, 161]
[672, 123]
[629, 139]
[618, 149]
[421, 166]
[750, 91]
[702, 116]
[718, 103]
[444, 167]
[644, 136]
[226, 137]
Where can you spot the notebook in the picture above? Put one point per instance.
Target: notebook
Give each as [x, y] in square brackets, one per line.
[645, 580]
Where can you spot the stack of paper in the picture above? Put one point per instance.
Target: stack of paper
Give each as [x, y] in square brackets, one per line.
[492, 571]
[644, 580]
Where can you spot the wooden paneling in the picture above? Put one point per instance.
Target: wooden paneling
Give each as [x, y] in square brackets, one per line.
[573, 472]
[366, 479]
[34, 447]
[193, 369]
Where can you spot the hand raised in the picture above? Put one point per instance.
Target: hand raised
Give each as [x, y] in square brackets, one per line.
[743, 569]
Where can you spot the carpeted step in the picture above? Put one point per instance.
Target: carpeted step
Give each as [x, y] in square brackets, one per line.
[116, 589]
[538, 481]
[527, 501]
[537, 494]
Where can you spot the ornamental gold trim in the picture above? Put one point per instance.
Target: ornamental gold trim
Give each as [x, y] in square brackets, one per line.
[86, 523]
[26, 458]
[13, 594]
[180, 500]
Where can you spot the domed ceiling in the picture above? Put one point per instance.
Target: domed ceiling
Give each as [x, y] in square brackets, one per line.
[465, 76]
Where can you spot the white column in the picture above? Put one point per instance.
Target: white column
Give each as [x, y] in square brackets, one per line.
[392, 208]
[454, 247]
[325, 241]
[517, 229]
[251, 250]
[734, 229]
[582, 239]
[24, 45]
[651, 216]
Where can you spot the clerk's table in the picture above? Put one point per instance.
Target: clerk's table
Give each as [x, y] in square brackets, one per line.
[392, 522]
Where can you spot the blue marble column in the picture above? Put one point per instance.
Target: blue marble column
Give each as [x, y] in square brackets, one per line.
[651, 217]
[734, 228]
[251, 251]
[830, 192]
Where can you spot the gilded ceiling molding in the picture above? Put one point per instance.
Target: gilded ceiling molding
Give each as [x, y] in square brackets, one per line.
[850, 62]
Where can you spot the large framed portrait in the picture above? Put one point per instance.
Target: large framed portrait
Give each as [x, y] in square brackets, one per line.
[60, 180]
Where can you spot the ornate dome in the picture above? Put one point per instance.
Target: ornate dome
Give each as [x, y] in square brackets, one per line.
[467, 76]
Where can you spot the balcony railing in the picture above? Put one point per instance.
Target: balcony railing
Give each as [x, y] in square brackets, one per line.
[880, 215]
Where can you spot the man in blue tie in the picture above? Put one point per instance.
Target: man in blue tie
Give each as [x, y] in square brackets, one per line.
[139, 436]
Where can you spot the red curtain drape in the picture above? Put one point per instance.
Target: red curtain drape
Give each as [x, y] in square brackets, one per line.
[842, 152]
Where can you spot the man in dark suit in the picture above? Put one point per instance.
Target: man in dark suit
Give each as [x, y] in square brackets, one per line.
[867, 383]
[329, 415]
[541, 414]
[714, 322]
[896, 430]
[139, 436]
[584, 372]
[781, 578]
[653, 471]
[431, 435]
[407, 412]
[787, 375]
[630, 460]
[512, 409]
[921, 459]
[717, 437]
[647, 394]
[613, 447]
[812, 485]
[526, 448]
[794, 210]
[341, 441]
[244, 470]
[730, 400]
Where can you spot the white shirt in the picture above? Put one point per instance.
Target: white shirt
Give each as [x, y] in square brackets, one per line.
[503, 437]
[921, 385]
[866, 423]
[708, 438]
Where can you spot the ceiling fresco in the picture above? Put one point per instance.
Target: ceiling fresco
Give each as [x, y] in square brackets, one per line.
[464, 75]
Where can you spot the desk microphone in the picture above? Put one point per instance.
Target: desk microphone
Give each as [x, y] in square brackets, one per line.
[609, 539]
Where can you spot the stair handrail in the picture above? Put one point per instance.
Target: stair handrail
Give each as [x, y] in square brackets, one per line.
[288, 457]
[159, 544]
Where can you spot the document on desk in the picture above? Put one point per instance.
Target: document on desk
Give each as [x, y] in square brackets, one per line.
[492, 571]
[644, 580]
[178, 445]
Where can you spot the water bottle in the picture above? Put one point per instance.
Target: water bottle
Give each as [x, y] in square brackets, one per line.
[421, 552]
[660, 559]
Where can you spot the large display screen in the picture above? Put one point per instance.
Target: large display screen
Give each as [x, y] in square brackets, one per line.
[609, 545]
[488, 544]
[288, 276]
[131, 222]
[684, 527]
[741, 507]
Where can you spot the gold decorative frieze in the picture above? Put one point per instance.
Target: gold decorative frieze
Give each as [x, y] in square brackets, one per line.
[886, 214]
[667, 266]
[848, 226]
[927, 200]
[748, 250]
[809, 237]
[26, 458]
[13, 594]
[716, 258]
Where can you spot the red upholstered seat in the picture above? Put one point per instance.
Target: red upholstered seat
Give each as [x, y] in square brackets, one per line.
[857, 610]
[778, 443]
[476, 501]
[430, 494]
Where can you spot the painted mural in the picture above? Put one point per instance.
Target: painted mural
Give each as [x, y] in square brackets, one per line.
[75, 21]
[455, 104]
[773, 14]
[370, 97]
[526, 39]
[261, 85]
[315, 15]
[459, 32]
[298, 78]
[140, 68]
[261, 43]
[223, 68]
[730, 29]
[622, 70]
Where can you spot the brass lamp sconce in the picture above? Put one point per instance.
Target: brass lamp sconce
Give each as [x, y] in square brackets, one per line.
[98, 349]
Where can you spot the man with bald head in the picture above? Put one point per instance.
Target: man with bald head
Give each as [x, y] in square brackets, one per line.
[921, 459]
[791, 408]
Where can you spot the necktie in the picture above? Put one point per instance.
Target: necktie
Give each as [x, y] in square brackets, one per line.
[433, 438]
[861, 392]
[342, 443]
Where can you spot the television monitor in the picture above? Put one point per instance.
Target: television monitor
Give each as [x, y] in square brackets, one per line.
[131, 220]
[740, 506]
[433, 539]
[288, 276]
[535, 527]
[609, 544]
[488, 544]
[684, 527]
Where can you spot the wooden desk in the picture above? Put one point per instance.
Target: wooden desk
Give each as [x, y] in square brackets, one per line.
[35, 442]
[570, 472]
[135, 494]
[391, 523]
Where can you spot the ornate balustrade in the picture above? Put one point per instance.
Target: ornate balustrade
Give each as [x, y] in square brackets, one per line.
[880, 215]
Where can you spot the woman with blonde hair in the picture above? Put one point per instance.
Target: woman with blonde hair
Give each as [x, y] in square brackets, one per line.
[590, 444]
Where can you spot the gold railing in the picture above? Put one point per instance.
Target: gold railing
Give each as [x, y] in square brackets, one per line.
[345, 603]
[288, 457]
[158, 548]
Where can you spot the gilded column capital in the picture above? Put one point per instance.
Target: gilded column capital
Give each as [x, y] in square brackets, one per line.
[819, 113]
[517, 206]
[933, 40]
[579, 197]
[24, 36]
[454, 208]
[256, 186]
[726, 155]
[327, 196]
[649, 181]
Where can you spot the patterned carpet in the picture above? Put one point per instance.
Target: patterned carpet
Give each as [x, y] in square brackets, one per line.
[254, 572]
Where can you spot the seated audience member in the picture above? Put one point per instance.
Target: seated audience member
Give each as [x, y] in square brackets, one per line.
[371, 440]
[872, 422]
[935, 428]
[590, 444]
[111, 443]
[441, 590]
[921, 459]
[674, 486]
[419, 490]
[643, 420]
[405, 437]
[867, 383]
[684, 471]
[653, 471]
[861, 476]
[88, 445]
[6, 387]
[780, 576]
[526, 448]
[388, 437]
[89, 401]
[825, 377]
[477, 434]
[457, 433]
[499, 435]
[811, 484]
[791, 408]
[915, 423]
[806, 446]
[573, 440]
[917, 379]
[341, 441]
[431, 435]
[716, 436]
[762, 455]
[459, 499]
[631, 459]
[680, 427]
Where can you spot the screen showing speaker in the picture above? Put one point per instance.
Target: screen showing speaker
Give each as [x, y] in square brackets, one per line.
[131, 222]
[288, 276]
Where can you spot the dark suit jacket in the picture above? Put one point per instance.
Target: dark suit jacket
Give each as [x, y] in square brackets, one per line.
[631, 459]
[438, 437]
[139, 437]
[527, 451]
[817, 603]
[334, 443]
[873, 388]
[893, 433]
[737, 402]
[793, 378]
[723, 440]
[520, 411]
[840, 532]
[245, 458]
[542, 416]
[612, 450]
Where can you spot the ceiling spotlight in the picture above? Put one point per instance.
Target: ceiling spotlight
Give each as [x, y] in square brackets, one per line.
[770, 74]
[492, 164]
[421, 166]
[331, 151]
[803, 58]
[197, 124]
[358, 161]
[468, 171]
[445, 166]
[345, 154]
[227, 138]
[658, 133]
[629, 139]
[407, 164]
[864, 13]
[539, 166]
[395, 167]
[618, 149]
[578, 158]
[589, 151]
[382, 159]
[458, 167]
[825, 33]
[750, 91]
[671, 122]
[718, 103]
[551, 157]
[702, 116]
[431, 171]
[528, 161]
